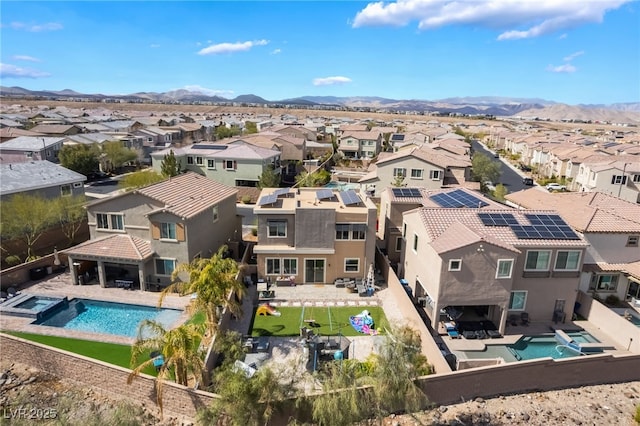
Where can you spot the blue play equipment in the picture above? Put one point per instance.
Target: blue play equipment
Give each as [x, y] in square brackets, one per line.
[363, 323]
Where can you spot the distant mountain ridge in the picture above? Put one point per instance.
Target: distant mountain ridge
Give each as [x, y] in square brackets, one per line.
[484, 105]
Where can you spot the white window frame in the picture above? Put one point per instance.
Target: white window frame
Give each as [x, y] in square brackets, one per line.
[190, 160]
[108, 218]
[276, 266]
[164, 259]
[199, 161]
[435, 174]
[452, 266]
[632, 240]
[504, 261]
[399, 172]
[347, 265]
[415, 243]
[404, 230]
[524, 303]
[419, 174]
[612, 286]
[65, 190]
[289, 266]
[398, 246]
[526, 260]
[569, 252]
[77, 184]
[276, 223]
[636, 178]
[211, 163]
[120, 219]
[226, 164]
[165, 231]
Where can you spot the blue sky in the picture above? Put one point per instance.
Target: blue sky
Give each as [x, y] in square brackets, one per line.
[570, 51]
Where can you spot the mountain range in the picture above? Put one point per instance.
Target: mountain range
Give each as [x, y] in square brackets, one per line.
[486, 105]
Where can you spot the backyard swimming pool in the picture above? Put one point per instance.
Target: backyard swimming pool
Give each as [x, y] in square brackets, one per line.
[531, 347]
[31, 305]
[120, 319]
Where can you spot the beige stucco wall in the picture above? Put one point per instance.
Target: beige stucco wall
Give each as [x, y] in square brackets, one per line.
[386, 177]
[611, 248]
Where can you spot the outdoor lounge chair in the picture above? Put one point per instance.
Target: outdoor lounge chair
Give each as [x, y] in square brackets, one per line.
[524, 318]
[12, 292]
[453, 334]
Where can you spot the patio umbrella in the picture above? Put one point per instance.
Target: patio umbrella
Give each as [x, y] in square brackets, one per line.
[56, 258]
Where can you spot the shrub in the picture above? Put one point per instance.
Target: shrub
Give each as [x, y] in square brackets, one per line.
[12, 260]
[612, 300]
[246, 199]
[637, 415]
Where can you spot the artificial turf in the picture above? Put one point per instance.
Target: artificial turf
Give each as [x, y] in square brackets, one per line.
[327, 321]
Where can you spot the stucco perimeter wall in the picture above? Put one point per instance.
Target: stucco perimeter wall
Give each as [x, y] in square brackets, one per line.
[178, 401]
[19, 274]
[625, 333]
[527, 376]
[412, 317]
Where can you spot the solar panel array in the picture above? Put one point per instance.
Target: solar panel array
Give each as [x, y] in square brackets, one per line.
[208, 146]
[350, 197]
[497, 219]
[267, 199]
[323, 194]
[281, 191]
[397, 137]
[406, 192]
[457, 198]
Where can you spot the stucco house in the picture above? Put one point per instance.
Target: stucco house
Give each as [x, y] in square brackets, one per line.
[30, 148]
[39, 178]
[140, 236]
[360, 144]
[313, 235]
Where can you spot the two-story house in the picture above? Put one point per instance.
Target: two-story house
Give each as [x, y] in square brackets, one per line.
[140, 236]
[360, 144]
[313, 235]
[30, 148]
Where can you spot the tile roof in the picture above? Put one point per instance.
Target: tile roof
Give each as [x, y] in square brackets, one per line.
[120, 246]
[438, 220]
[188, 194]
[584, 211]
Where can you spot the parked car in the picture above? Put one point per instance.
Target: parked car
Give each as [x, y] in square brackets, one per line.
[555, 187]
[527, 181]
[524, 167]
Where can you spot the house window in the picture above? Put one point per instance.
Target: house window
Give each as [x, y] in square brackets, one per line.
[199, 161]
[189, 160]
[211, 164]
[632, 241]
[567, 260]
[415, 242]
[165, 266]
[455, 264]
[435, 174]
[399, 243]
[29, 154]
[342, 231]
[277, 228]
[416, 173]
[636, 178]
[77, 184]
[537, 260]
[404, 230]
[370, 143]
[606, 282]
[505, 266]
[359, 231]
[352, 265]
[354, 231]
[214, 210]
[65, 190]
[168, 231]
[273, 266]
[290, 266]
[109, 221]
[518, 301]
[618, 180]
[229, 164]
[399, 172]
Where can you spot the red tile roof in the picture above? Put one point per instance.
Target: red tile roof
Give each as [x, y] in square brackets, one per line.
[116, 247]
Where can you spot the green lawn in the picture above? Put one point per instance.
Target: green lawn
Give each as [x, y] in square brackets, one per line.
[327, 321]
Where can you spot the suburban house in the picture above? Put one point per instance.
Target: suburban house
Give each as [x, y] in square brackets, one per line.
[360, 144]
[139, 237]
[312, 235]
[41, 178]
[57, 129]
[29, 148]
[615, 175]
[417, 167]
[238, 164]
[495, 262]
[611, 227]
[394, 202]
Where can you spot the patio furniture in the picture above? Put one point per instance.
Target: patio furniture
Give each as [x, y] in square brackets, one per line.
[453, 334]
[524, 318]
[158, 359]
[469, 335]
[494, 334]
[513, 319]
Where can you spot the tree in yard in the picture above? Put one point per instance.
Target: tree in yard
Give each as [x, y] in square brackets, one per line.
[70, 215]
[215, 284]
[170, 165]
[227, 132]
[269, 179]
[26, 217]
[500, 192]
[117, 154]
[80, 158]
[318, 178]
[250, 127]
[341, 402]
[484, 169]
[140, 179]
[179, 348]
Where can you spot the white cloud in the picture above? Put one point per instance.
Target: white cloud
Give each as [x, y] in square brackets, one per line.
[276, 51]
[36, 28]
[217, 49]
[206, 91]
[573, 56]
[517, 18]
[12, 71]
[328, 81]
[566, 68]
[25, 58]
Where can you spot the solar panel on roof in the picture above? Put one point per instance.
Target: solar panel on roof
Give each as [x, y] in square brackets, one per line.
[497, 219]
[544, 226]
[350, 197]
[267, 199]
[457, 198]
[281, 191]
[397, 137]
[406, 192]
[323, 194]
[217, 147]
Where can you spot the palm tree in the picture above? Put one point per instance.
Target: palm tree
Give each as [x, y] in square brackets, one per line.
[215, 283]
[179, 349]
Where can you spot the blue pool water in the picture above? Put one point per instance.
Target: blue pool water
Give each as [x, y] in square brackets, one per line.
[37, 303]
[119, 319]
[341, 185]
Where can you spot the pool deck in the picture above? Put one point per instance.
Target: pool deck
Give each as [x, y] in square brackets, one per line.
[61, 285]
